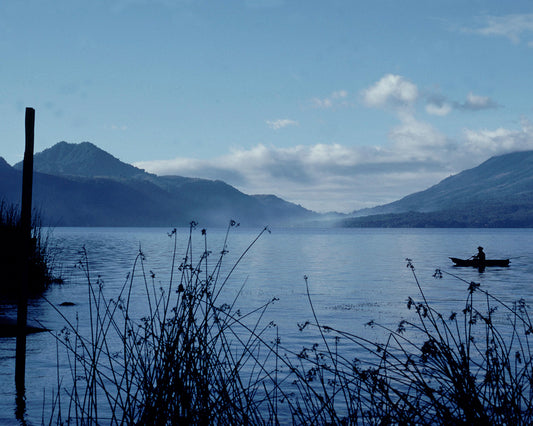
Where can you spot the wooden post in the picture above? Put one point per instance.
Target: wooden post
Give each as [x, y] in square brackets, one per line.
[25, 222]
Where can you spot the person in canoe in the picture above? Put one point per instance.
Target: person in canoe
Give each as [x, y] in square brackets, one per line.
[480, 254]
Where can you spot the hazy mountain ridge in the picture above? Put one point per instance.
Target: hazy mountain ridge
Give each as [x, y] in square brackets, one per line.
[497, 193]
[4, 164]
[83, 159]
[82, 185]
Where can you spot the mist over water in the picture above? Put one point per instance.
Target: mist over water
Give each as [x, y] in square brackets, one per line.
[354, 276]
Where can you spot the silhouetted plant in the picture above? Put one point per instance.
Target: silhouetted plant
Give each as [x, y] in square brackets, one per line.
[195, 360]
[41, 260]
[180, 364]
[471, 367]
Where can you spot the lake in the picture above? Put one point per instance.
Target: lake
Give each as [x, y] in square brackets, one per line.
[354, 276]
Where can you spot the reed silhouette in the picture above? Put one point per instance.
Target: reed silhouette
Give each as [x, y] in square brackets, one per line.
[195, 360]
[41, 262]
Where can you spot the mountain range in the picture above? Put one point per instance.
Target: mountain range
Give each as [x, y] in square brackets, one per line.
[497, 193]
[82, 185]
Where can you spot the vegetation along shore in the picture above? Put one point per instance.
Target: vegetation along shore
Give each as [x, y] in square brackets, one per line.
[195, 360]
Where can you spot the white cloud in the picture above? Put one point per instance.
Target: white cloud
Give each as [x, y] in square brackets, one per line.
[321, 177]
[334, 100]
[391, 91]
[340, 94]
[512, 26]
[476, 102]
[440, 109]
[419, 138]
[326, 177]
[498, 141]
[322, 103]
[119, 127]
[437, 104]
[398, 94]
[281, 123]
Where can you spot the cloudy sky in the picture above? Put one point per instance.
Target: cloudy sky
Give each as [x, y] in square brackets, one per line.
[335, 105]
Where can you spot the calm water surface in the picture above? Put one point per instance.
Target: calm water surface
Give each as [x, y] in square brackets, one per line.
[354, 276]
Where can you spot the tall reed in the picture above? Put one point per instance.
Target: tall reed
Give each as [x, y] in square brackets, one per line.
[195, 360]
[41, 263]
[182, 363]
[471, 367]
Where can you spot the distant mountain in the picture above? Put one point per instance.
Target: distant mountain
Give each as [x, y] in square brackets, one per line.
[497, 193]
[83, 159]
[82, 185]
[3, 164]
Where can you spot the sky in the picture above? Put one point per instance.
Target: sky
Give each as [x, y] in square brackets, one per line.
[336, 105]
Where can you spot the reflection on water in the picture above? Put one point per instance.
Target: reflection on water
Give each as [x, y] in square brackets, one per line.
[355, 276]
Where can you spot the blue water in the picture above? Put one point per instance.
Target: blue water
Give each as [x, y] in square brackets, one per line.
[354, 276]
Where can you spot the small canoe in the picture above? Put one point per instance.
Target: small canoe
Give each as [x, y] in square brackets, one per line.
[480, 264]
